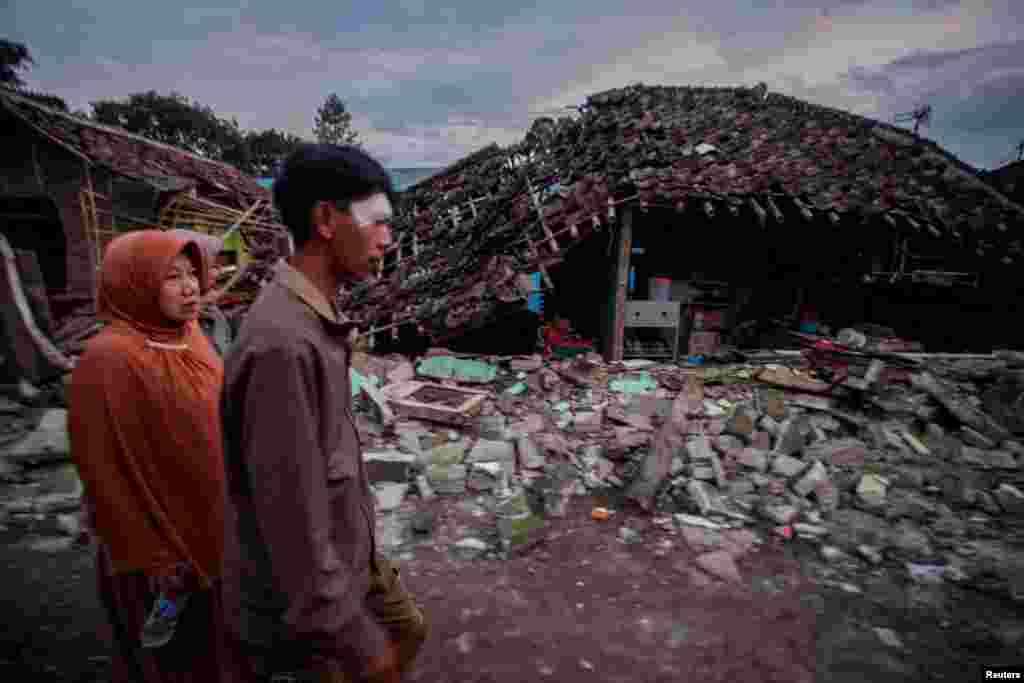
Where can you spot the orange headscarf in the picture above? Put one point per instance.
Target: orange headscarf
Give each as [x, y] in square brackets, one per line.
[143, 418]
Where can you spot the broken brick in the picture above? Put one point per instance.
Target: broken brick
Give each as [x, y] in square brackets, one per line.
[780, 514]
[840, 452]
[792, 436]
[761, 440]
[787, 466]
[741, 424]
[642, 422]
[529, 455]
[754, 458]
[809, 482]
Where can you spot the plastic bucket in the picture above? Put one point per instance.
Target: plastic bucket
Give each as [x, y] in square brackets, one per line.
[661, 288]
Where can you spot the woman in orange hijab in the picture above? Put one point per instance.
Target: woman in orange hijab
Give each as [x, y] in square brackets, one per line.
[145, 435]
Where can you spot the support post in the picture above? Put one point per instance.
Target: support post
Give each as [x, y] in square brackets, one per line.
[616, 342]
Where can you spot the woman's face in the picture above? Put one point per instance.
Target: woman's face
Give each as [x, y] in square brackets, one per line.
[179, 291]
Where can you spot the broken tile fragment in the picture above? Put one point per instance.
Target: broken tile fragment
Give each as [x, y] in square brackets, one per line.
[839, 452]
[493, 427]
[769, 424]
[761, 440]
[699, 449]
[976, 439]
[779, 513]
[389, 496]
[702, 496]
[588, 421]
[701, 540]
[827, 495]
[423, 486]
[529, 455]
[530, 424]
[787, 466]
[988, 459]
[792, 436]
[809, 482]
[741, 423]
[1010, 499]
[754, 459]
[871, 490]
[527, 364]
[721, 565]
[620, 416]
[447, 479]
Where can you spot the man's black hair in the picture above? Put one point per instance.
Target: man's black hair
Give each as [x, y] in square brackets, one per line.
[319, 172]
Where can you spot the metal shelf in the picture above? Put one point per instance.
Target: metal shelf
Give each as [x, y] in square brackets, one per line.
[655, 315]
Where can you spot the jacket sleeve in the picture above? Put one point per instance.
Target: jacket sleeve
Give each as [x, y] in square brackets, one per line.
[287, 472]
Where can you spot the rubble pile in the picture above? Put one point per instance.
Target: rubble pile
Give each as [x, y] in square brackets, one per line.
[905, 466]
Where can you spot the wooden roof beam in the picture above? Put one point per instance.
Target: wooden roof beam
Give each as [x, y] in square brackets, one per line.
[804, 209]
[762, 216]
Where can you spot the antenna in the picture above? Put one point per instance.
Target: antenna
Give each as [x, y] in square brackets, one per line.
[579, 108]
[918, 116]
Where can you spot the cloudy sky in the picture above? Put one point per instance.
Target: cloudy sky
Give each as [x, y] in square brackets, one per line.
[429, 82]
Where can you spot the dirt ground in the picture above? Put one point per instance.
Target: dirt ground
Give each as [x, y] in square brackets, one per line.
[582, 605]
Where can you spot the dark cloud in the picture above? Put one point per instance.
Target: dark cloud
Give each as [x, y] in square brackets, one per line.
[986, 57]
[976, 95]
[430, 81]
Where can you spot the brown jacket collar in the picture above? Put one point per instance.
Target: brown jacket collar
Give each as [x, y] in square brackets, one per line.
[305, 291]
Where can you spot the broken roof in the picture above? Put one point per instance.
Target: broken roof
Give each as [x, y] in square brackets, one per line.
[1009, 179]
[165, 167]
[765, 156]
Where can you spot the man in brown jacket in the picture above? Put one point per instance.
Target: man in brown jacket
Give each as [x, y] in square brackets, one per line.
[303, 580]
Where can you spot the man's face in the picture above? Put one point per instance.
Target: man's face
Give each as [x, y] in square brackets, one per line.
[360, 236]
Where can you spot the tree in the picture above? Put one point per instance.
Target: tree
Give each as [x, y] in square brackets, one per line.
[333, 123]
[260, 150]
[175, 120]
[14, 57]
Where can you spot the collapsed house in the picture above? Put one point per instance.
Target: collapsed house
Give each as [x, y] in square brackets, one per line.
[68, 186]
[690, 210]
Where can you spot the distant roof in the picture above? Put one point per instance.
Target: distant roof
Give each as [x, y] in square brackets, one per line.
[135, 156]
